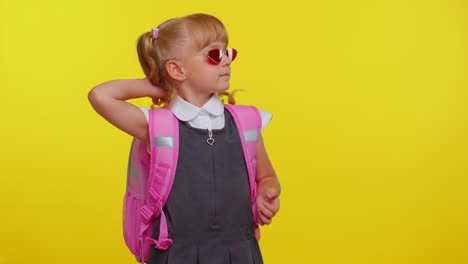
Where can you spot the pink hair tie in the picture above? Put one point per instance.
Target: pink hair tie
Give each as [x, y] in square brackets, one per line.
[155, 32]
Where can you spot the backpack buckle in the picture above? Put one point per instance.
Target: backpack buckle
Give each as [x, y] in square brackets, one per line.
[154, 201]
[147, 214]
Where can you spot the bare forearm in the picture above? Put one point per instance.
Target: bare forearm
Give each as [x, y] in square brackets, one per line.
[271, 182]
[109, 100]
[265, 175]
[127, 89]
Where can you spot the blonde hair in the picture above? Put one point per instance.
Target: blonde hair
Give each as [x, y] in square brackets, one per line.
[198, 29]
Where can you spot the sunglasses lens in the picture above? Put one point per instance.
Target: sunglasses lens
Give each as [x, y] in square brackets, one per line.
[215, 55]
[231, 53]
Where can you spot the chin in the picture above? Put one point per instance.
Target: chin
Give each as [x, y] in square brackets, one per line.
[222, 89]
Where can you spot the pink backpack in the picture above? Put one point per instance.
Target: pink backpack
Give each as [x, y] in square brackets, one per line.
[150, 176]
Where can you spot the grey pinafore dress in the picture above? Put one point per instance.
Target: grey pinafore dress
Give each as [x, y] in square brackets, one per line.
[208, 211]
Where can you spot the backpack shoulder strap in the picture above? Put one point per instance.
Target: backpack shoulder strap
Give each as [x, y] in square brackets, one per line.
[164, 145]
[249, 124]
[164, 139]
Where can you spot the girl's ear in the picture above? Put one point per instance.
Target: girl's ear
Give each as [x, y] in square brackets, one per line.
[175, 70]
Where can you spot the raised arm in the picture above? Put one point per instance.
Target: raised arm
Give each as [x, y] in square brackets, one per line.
[268, 186]
[109, 100]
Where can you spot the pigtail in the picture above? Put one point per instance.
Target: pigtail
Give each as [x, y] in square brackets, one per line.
[150, 63]
[146, 55]
[229, 96]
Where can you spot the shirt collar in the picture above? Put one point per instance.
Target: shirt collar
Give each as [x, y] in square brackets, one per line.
[186, 111]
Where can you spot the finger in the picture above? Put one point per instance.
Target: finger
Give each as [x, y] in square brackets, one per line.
[260, 219]
[266, 212]
[272, 194]
[260, 222]
[264, 220]
[272, 206]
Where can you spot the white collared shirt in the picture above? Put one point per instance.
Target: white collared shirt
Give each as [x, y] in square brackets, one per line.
[209, 116]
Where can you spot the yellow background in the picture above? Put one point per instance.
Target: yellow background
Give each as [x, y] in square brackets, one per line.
[369, 135]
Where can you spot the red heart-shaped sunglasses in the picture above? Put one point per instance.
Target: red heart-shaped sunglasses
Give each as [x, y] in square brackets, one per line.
[216, 55]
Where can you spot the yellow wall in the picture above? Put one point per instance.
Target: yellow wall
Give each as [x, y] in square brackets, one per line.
[369, 135]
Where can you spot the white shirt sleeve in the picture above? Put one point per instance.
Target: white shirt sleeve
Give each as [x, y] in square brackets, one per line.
[266, 117]
[146, 112]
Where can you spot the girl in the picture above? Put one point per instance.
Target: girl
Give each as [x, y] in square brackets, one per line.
[187, 68]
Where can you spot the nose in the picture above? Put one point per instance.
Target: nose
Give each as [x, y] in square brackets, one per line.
[230, 54]
[225, 60]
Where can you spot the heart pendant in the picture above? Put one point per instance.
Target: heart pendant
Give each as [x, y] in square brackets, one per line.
[210, 141]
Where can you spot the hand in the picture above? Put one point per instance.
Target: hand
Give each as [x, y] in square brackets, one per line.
[267, 203]
[154, 91]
